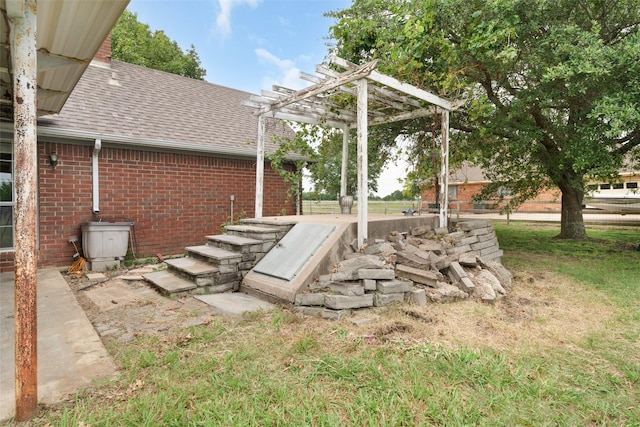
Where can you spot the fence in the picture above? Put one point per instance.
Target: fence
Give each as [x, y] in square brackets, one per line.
[316, 207]
[395, 207]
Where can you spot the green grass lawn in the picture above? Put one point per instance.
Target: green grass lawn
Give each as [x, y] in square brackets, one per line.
[563, 348]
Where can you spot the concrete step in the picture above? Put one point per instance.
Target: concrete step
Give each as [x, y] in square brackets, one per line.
[284, 225]
[191, 266]
[253, 232]
[169, 284]
[205, 275]
[216, 256]
[237, 243]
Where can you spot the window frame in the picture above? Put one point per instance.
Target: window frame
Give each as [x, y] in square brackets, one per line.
[10, 148]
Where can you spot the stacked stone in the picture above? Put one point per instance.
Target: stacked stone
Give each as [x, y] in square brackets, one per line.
[363, 280]
[453, 265]
[475, 238]
[416, 266]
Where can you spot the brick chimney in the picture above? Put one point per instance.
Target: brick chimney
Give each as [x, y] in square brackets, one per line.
[104, 53]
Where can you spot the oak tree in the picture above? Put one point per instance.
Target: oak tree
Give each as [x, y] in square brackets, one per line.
[135, 43]
[552, 88]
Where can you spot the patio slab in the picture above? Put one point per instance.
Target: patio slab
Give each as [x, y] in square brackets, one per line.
[70, 352]
[235, 303]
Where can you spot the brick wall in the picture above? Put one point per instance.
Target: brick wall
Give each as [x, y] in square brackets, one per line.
[175, 200]
[546, 201]
[6, 261]
[104, 53]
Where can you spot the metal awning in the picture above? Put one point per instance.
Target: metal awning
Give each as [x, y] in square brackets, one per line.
[45, 48]
[357, 97]
[69, 33]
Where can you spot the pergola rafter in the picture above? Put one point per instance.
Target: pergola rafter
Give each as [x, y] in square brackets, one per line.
[358, 97]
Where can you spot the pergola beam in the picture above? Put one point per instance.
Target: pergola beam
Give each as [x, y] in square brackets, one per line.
[376, 93]
[398, 85]
[444, 169]
[347, 77]
[296, 117]
[425, 112]
[377, 98]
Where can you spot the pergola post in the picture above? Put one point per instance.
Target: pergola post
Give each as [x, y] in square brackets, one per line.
[363, 172]
[259, 167]
[444, 168]
[345, 159]
[22, 23]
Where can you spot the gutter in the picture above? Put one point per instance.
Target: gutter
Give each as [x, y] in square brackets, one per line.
[133, 142]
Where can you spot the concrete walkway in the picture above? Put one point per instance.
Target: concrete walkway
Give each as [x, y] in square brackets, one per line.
[70, 353]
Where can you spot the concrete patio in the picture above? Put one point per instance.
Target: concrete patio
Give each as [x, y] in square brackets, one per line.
[70, 352]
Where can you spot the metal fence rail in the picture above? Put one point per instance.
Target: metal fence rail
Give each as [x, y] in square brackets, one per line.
[317, 207]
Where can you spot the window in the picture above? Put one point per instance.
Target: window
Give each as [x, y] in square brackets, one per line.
[504, 192]
[6, 196]
[453, 192]
[618, 186]
[605, 186]
[632, 185]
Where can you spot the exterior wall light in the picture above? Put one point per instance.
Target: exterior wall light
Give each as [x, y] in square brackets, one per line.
[53, 158]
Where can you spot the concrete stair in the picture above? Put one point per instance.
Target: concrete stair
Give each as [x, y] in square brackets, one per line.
[220, 264]
[253, 232]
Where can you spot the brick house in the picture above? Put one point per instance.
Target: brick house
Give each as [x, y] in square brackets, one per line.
[170, 153]
[468, 180]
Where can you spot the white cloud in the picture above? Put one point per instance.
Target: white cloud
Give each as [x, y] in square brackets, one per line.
[282, 72]
[223, 19]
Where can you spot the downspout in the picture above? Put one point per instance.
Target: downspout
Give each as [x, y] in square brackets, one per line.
[96, 181]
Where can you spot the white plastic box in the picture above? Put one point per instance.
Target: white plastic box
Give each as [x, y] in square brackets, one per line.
[105, 243]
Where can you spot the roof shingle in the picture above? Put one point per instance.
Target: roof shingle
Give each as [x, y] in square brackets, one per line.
[128, 100]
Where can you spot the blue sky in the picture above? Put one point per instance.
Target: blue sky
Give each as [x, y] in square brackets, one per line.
[246, 44]
[252, 44]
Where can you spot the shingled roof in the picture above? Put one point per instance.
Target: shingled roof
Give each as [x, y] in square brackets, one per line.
[467, 173]
[126, 103]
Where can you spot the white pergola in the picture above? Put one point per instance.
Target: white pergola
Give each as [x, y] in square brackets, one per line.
[379, 99]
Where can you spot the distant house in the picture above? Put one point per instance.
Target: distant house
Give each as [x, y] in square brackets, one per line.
[468, 180]
[171, 154]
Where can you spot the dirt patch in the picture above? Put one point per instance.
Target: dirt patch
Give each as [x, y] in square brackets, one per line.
[540, 311]
[121, 309]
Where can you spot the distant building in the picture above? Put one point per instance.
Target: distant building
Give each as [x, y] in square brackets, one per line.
[467, 181]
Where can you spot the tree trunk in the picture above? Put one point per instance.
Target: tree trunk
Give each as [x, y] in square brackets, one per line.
[571, 220]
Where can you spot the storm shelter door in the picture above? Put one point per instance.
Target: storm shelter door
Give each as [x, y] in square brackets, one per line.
[295, 249]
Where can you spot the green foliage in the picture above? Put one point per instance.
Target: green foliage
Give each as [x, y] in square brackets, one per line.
[6, 191]
[292, 156]
[235, 220]
[326, 172]
[396, 195]
[319, 150]
[551, 88]
[134, 42]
